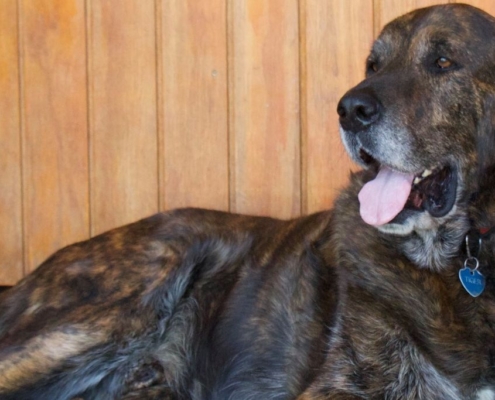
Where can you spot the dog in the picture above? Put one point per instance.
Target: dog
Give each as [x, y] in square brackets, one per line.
[390, 295]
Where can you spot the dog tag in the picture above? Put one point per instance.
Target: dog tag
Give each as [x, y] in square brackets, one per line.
[472, 280]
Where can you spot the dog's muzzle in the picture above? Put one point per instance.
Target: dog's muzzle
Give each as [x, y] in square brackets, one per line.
[358, 109]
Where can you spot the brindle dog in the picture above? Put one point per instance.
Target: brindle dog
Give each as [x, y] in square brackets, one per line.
[374, 300]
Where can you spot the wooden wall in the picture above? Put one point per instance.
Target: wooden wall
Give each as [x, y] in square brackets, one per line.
[111, 110]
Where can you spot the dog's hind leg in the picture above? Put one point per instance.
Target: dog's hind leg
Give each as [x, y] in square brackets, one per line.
[91, 313]
[84, 348]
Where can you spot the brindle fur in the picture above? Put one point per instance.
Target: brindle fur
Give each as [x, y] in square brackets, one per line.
[196, 304]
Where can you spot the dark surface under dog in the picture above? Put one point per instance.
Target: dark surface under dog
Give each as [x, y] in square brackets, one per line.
[197, 304]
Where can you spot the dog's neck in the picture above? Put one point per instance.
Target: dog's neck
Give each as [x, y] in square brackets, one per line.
[482, 204]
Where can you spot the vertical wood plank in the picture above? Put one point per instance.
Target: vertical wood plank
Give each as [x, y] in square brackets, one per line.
[264, 107]
[337, 37]
[54, 125]
[11, 265]
[486, 5]
[193, 104]
[123, 127]
[387, 10]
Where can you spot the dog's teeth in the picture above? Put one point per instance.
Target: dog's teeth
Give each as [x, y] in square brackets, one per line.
[426, 173]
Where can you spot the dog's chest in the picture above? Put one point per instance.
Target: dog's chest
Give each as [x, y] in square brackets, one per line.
[485, 394]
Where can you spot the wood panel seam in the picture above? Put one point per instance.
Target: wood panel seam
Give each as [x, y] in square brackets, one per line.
[20, 60]
[90, 117]
[376, 17]
[87, 27]
[303, 169]
[230, 170]
[231, 106]
[160, 134]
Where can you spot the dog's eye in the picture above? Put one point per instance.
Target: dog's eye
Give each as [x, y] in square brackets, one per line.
[444, 63]
[371, 66]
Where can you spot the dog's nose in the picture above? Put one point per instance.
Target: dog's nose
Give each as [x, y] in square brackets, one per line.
[358, 110]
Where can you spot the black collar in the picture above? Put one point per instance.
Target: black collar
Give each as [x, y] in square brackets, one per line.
[476, 236]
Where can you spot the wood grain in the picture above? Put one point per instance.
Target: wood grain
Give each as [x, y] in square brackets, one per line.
[123, 118]
[193, 104]
[11, 249]
[55, 146]
[387, 10]
[331, 67]
[264, 107]
[220, 104]
[486, 5]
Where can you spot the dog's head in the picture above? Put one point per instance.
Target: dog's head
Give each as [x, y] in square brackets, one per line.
[421, 123]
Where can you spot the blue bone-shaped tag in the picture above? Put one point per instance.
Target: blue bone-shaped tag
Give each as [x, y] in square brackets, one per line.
[472, 280]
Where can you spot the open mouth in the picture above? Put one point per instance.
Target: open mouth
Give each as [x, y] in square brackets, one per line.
[391, 192]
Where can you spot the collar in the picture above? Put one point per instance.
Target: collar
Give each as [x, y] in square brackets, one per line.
[475, 238]
[485, 232]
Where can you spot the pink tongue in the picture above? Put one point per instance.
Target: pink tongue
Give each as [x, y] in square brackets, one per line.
[384, 197]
